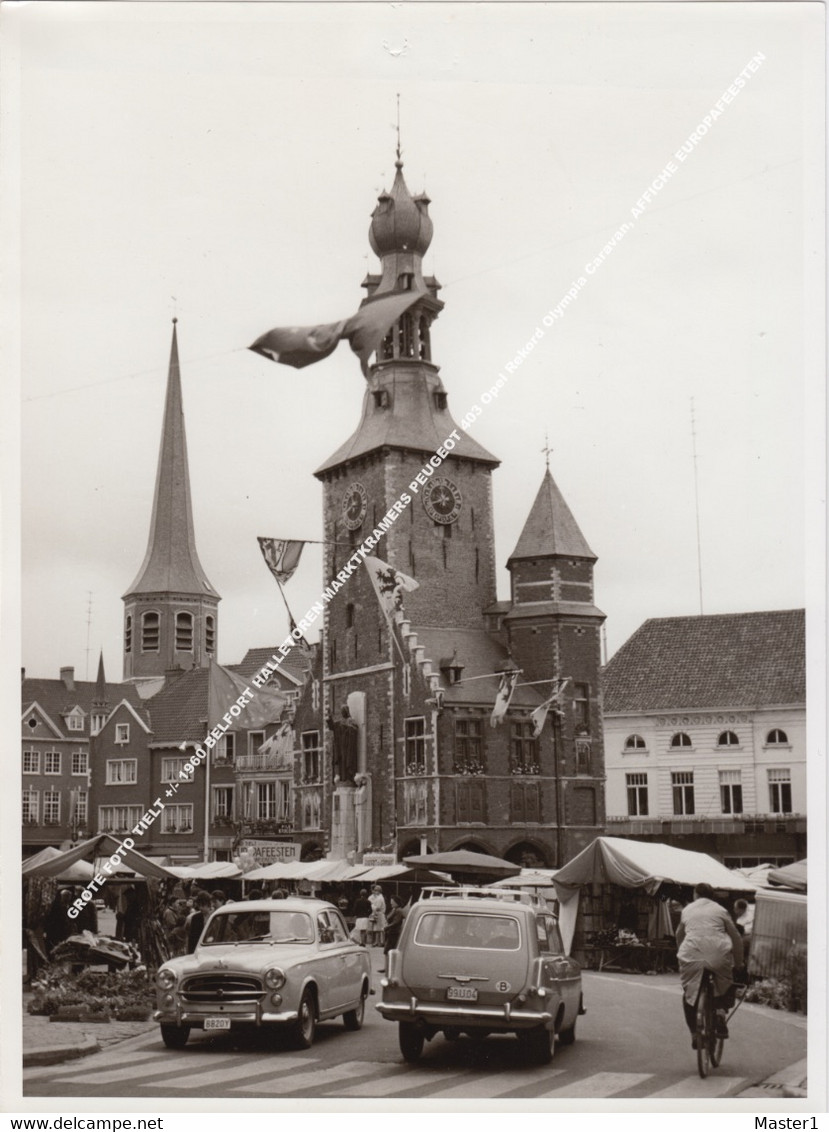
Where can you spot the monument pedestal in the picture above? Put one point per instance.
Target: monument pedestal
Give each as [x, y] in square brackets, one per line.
[343, 825]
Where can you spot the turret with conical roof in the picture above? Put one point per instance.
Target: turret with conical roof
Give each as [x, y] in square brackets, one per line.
[171, 607]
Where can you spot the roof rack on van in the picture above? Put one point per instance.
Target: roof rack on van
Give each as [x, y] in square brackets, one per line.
[520, 895]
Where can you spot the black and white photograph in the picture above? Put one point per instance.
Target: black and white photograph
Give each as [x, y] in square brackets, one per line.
[413, 577]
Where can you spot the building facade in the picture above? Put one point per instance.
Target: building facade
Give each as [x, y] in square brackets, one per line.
[705, 735]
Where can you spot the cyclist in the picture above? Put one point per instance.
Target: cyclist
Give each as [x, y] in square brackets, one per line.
[707, 937]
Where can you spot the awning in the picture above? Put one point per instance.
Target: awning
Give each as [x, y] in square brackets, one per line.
[101, 846]
[207, 870]
[789, 876]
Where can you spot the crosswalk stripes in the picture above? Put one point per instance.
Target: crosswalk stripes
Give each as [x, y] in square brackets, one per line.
[410, 1082]
[692, 1088]
[53, 1071]
[309, 1083]
[209, 1076]
[504, 1082]
[161, 1066]
[597, 1085]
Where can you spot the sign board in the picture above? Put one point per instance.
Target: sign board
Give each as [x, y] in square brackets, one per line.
[372, 859]
[271, 852]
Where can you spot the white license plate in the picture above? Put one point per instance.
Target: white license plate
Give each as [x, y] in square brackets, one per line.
[217, 1023]
[464, 994]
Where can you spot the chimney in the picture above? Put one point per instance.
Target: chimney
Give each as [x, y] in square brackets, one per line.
[22, 673]
[67, 675]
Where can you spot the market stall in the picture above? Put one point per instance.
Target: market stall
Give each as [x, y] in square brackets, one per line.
[620, 900]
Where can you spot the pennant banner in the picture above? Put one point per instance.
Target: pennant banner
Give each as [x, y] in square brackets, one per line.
[539, 716]
[300, 346]
[282, 556]
[389, 584]
[502, 700]
[225, 687]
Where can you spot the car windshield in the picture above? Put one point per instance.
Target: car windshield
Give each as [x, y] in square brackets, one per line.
[458, 929]
[255, 927]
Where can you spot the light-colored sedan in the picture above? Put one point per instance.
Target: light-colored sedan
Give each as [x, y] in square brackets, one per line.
[262, 963]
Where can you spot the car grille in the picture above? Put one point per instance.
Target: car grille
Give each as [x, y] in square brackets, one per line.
[222, 989]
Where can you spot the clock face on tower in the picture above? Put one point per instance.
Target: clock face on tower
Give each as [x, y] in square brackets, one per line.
[442, 500]
[354, 505]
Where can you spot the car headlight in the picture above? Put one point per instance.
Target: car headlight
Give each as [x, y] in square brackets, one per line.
[165, 978]
[274, 978]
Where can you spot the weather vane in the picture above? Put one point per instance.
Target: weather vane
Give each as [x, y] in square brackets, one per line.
[547, 450]
[399, 151]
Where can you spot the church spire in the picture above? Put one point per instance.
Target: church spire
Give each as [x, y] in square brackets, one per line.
[170, 608]
[550, 529]
[100, 698]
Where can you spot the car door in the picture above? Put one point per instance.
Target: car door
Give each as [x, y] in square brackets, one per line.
[563, 973]
[334, 956]
[354, 962]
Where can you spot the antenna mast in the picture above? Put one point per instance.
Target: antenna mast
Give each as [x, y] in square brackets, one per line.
[88, 628]
[696, 502]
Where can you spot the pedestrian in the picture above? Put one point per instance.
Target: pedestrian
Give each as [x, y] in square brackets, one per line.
[707, 937]
[218, 897]
[131, 916]
[743, 914]
[377, 921]
[204, 906]
[394, 926]
[255, 894]
[362, 912]
[58, 926]
[87, 918]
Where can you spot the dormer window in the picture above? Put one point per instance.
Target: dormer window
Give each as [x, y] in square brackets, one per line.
[440, 401]
[74, 721]
[381, 398]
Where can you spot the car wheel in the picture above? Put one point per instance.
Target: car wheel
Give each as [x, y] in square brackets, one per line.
[411, 1040]
[305, 1027]
[174, 1037]
[568, 1036]
[540, 1044]
[353, 1019]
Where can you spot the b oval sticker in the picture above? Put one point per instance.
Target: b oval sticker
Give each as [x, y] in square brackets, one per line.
[503, 987]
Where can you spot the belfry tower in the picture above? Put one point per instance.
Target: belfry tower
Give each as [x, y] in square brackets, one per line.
[170, 610]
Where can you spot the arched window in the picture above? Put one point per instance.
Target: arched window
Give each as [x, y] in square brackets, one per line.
[128, 634]
[728, 739]
[681, 740]
[425, 346]
[776, 737]
[209, 634]
[184, 632]
[150, 632]
[349, 615]
[635, 743]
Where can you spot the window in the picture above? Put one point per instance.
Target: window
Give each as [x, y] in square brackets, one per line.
[184, 632]
[414, 745]
[150, 632]
[471, 801]
[523, 749]
[172, 770]
[177, 819]
[681, 740]
[349, 615]
[31, 808]
[51, 807]
[283, 799]
[118, 819]
[469, 747]
[98, 720]
[682, 784]
[581, 707]
[310, 756]
[440, 401]
[266, 801]
[122, 733]
[731, 792]
[637, 791]
[128, 634]
[80, 762]
[728, 739]
[121, 772]
[415, 802]
[31, 762]
[74, 722]
[210, 634]
[635, 743]
[226, 748]
[80, 807]
[311, 809]
[255, 741]
[223, 802]
[780, 790]
[525, 802]
[51, 762]
[583, 756]
[777, 738]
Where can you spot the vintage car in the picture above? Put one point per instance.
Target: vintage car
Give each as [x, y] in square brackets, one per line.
[264, 963]
[479, 962]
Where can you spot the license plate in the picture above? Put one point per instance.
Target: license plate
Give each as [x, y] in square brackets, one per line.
[464, 994]
[217, 1023]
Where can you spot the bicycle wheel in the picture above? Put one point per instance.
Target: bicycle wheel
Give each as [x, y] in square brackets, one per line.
[704, 1035]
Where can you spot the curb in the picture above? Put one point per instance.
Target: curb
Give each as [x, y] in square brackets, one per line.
[51, 1055]
[785, 1084]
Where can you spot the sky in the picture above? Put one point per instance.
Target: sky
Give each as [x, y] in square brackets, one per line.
[220, 162]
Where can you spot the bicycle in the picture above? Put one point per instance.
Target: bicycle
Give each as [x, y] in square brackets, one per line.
[708, 1045]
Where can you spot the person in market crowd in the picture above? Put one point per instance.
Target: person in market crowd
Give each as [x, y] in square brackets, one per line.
[58, 926]
[131, 915]
[377, 920]
[743, 914]
[279, 894]
[708, 937]
[255, 894]
[218, 897]
[172, 921]
[204, 906]
[87, 918]
[394, 926]
[362, 912]
[344, 906]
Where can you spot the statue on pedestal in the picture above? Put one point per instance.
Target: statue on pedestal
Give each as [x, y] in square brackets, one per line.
[346, 747]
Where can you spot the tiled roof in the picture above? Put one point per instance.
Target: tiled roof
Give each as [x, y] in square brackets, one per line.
[712, 661]
[550, 527]
[54, 697]
[179, 710]
[295, 664]
[480, 654]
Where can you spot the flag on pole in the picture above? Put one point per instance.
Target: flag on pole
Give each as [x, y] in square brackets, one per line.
[300, 346]
[281, 747]
[389, 584]
[282, 556]
[225, 687]
[539, 716]
[502, 700]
